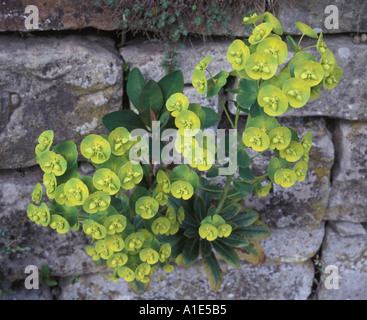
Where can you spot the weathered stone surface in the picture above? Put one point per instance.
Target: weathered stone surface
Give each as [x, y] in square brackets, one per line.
[188, 57]
[64, 254]
[349, 255]
[271, 281]
[65, 84]
[345, 229]
[351, 15]
[293, 244]
[56, 16]
[347, 200]
[305, 202]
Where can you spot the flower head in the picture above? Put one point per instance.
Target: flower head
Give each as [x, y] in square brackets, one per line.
[147, 207]
[126, 273]
[115, 223]
[76, 191]
[333, 78]
[309, 71]
[199, 81]
[49, 181]
[300, 168]
[328, 61]
[107, 181]
[176, 103]
[208, 232]
[39, 215]
[238, 54]
[182, 189]
[293, 152]
[119, 140]
[297, 92]
[115, 242]
[224, 230]
[201, 158]
[160, 196]
[163, 181]
[187, 123]
[59, 223]
[203, 64]
[130, 174]
[95, 148]
[134, 241]
[97, 201]
[256, 139]
[260, 32]
[91, 251]
[103, 249]
[273, 100]
[321, 45]
[142, 272]
[165, 252]
[261, 65]
[285, 177]
[307, 142]
[149, 255]
[44, 142]
[37, 193]
[252, 19]
[280, 138]
[94, 229]
[277, 48]
[117, 260]
[51, 162]
[161, 225]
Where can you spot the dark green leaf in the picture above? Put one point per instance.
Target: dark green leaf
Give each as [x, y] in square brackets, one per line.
[198, 110]
[230, 210]
[235, 241]
[213, 271]
[151, 98]
[138, 287]
[256, 110]
[246, 218]
[211, 118]
[190, 251]
[295, 136]
[183, 172]
[243, 159]
[122, 118]
[215, 84]
[200, 207]
[212, 172]
[246, 174]
[226, 253]
[253, 253]
[134, 85]
[205, 247]
[256, 231]
[138, 193]
[292, 44]
[242, 186]
[191, 232]
[172, 83]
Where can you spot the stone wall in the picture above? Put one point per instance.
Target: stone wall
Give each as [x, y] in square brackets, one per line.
[66, 81]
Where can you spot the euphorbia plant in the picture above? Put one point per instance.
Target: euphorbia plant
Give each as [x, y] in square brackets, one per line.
[145, 208]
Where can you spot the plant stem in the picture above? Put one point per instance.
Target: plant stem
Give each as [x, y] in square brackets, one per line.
[225, 192]
[299, 42]
[259, 154]
[309, 47]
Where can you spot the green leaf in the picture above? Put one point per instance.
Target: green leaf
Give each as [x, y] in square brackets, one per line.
[307, 30]
[253, 253]
[243, 159]
[242, 186]
[256, 110]
[295, 136]
[236, 241]
[247, 93]
[197, 109]
[200, 207]
[215, 84]
[273, 166]
[226, 253]
[134, 85]
[245, 219]
[184, 173]
[213, 271]
[191, 232]
[50, 283]
[69, 151]
[212, 172]
[257, 231]
[246, 174]
[205, 247]
[172, 83]
[292, 44]
[211, 117]
[230, 210]
[138, 287]
[151, 98]
[122, 118]
[190, 252]
[214, 190]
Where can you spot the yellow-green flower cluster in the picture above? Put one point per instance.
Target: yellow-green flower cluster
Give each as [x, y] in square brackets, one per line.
[213, 227]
